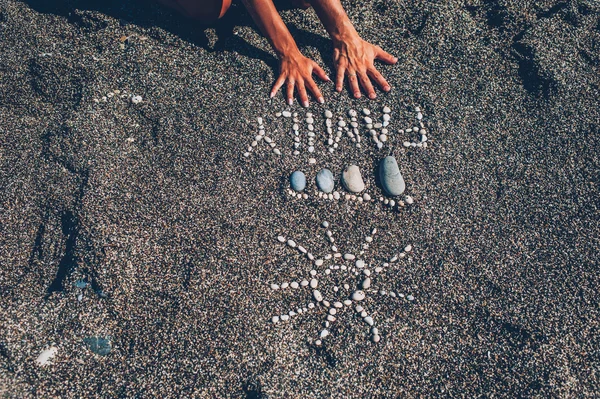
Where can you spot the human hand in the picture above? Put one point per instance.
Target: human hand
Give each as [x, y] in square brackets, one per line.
[354, 57]
[297, 70]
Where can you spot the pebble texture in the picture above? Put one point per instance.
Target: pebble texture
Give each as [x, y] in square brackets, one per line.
[298, 181]
[175, 231]
[352, 179]
[325, 181]
[390, 177]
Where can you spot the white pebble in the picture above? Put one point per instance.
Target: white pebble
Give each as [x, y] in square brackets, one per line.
[408, 248]
[304, 283]
[313, 283]
[274, 287]
[275, 319]
[313, 273]
[367, 272]
[332, 311]
[386, 117]
[360, 263]
[359, 308]
[310, 120]
[276, 151]
[366, 284]
[383, 138]
[358, 295]
[349, 256]
[328, 114]
[341, 123]
[376, 338]
[294, 285]
[312, 161]
[406, 144]
[368, 120]
[325, 224]
[419, 116]
[408, 199]
[330, 318]
[369, 320]
[324, 333]
[46, 355]
[366, 111]
[410, 297]
[302, 249]
[311, 305]
[284, 285]
[134, 99]
[386, 110]
[318, 296]
[286, 114]
[363, 314]
[319, 262]
[291, 243]
[347, 302]
[285, 317]
[352, 113]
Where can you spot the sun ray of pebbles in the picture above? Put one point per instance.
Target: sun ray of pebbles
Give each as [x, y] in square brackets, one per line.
[339, 281]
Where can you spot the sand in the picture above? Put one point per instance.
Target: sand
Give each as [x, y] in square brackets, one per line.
[154, 205]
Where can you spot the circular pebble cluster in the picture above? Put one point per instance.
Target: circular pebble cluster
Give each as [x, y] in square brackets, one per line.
[135, 99]
[347, 295]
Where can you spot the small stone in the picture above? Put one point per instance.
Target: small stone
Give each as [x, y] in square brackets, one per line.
[330, 318]
[324, 333]
[294, 285]
[46, 355]
[304, 283]
[317, 295]
[367, 272]
[366, 284]
[390, 177]
[332, 311]
[284, 285]
[274, 287]
[386, 110]
[406, 144]
[359, 308]
[369, 320]
[423, 138]
[310, 120]
[366, 111]
[276, 151]
[349, 256]
[368, 120]
[311, 305]
[376, 338]
[383, 138]
[286, 114]
[386, 118]
[275, 319]
[285, 317]
[328, 114]
[358, 296]
[419, 116]
[409, 200]
[291, 243]
[410, 297]
[302, 249]
[325, 224]
[379, 145]
[325, 181]
[352, 179]
[312, 161]
[408, 248]
[298, 181]
[336, 195]
[366, 197]
[360, 263]
[314, 283]
[136, 99]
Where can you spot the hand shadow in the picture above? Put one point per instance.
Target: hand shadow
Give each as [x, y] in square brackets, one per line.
[150, 14]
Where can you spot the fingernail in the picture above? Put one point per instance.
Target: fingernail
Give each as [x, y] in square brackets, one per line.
[321, 100]
[372, 96]
[356, 95]
[272, 95]
[290, 101]
[387, 88]
[327, 78]
[305, 104]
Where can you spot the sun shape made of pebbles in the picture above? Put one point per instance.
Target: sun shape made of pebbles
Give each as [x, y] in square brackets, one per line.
[340, 282]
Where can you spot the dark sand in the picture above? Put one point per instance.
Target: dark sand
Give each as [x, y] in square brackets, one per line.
[178, 230]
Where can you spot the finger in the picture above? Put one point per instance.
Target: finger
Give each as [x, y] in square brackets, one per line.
[339, 79]
[365, 82]
[314, 89]
[353, 82]
[317, 70]
[290, 91]
[302, 93]
[278, 83]
[379, 79]
[385, 57]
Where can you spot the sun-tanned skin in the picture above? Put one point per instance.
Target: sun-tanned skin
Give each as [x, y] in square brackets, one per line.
[353, 57]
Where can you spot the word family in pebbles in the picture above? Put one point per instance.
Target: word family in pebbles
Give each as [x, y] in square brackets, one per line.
[354, 188]
[133, 98]
[356, 128]
[340, 283]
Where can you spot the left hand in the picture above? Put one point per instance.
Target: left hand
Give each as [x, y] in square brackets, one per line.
[355, 57]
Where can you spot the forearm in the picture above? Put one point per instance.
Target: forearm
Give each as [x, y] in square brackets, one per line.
[334, 18]
[267, 18]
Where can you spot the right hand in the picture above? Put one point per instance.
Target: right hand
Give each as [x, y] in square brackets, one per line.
[296, 71]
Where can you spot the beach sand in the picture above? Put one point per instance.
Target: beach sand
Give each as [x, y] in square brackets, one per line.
[154, 205]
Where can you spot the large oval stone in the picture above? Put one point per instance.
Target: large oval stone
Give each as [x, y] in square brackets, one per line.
[390, 177]
[298, 181]
[352, 179]
[325, 181]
